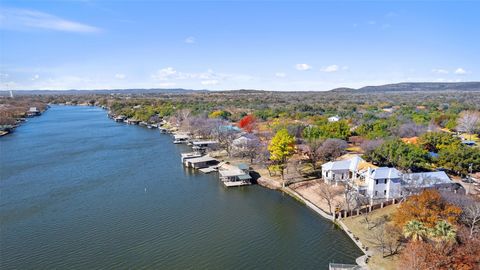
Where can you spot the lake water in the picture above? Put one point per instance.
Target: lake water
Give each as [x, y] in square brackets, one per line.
[80, 191]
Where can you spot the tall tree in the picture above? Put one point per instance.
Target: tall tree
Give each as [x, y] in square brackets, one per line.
[281, 147]
[427, 207]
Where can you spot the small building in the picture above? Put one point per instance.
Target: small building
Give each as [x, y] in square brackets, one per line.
[341, 170]
[120, 118]
[33, 111]
[335, 118]
[132, 121]
[235, 175]
[185, 156]
[200, 162]
[180, 138]
[383, 183]
[203, 145]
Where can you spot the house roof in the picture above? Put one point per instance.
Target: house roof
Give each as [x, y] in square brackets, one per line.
[204, 142]
[201, 159]
[342, 165]
[424, 179]
[385, 172]
[231, 172]
[180, 136]
[244, 177]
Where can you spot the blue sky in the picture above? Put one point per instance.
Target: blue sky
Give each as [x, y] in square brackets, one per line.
[237, 44]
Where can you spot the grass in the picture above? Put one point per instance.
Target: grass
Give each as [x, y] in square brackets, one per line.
[357, 226]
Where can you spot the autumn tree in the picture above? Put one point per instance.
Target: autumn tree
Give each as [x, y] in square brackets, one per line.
[247, 123]
[281, 147]
[427, 207]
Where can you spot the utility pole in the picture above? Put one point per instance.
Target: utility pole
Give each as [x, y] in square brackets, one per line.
[469, 178]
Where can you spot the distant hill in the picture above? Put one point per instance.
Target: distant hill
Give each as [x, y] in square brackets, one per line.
[397, 87]
[418, 87]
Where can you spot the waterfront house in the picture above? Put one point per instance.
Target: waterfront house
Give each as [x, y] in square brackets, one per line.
[235, 175]
[33, 111]
[383, 183]
[386, 183]
[342, 170]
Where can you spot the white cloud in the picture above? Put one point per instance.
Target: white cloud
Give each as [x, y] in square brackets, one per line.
[209, 82]
[460, 71]
[331, 68]
[303, 67]
[165, 74]
[439, 71]
[190, 40]
[20, 19]
[35, 77]
[120, 76]
[280, 75]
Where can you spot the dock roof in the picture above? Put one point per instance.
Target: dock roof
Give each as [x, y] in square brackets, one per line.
[201, 159]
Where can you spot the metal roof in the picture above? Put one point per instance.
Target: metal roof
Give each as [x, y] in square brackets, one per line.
[384, 173]
[200, 159]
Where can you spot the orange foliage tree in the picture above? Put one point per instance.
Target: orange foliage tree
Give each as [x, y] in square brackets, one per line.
[464, 255]
[247, 123]
[427, 207]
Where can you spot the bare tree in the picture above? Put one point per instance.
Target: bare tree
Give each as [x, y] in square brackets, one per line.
[468, 121]
[411, 130]
[251, 148]
[328, 193]
[224, 135]
[369, 146]
[332, 149]
[313, 151]
[387, 238]
[471, 217]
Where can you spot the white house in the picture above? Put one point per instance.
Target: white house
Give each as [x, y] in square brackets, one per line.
[383, 183]
[33, 111]
[341, 170]
[387, 183]
[335, 118]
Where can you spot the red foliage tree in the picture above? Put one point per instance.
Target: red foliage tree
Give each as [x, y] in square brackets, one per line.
[247, 123]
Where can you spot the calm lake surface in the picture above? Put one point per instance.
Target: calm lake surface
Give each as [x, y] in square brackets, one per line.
[80, 191]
